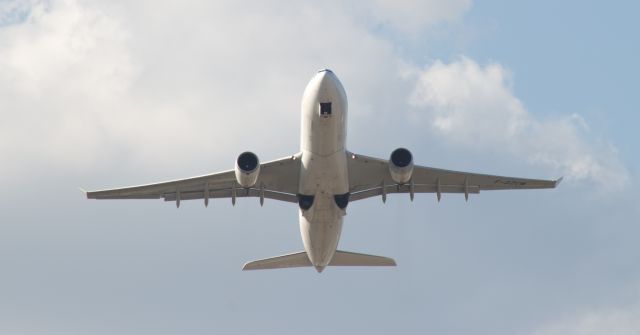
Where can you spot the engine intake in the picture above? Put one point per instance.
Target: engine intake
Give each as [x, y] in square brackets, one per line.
[401, 165]
[247, 169]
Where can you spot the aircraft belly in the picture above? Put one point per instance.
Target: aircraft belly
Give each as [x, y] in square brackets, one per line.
[320, 233]
[324, 170]
[321, 225]
[324, 174]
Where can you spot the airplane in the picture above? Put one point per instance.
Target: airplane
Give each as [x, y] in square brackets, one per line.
[322, 179]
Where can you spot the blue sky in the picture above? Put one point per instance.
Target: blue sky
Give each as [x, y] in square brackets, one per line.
[97, 94]
[569, 52]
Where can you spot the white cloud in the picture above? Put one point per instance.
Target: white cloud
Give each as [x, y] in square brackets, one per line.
[86, 83]
[61, 69]
[474, 106]
[610, 322]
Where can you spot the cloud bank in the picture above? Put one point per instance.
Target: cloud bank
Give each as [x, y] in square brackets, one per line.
[474, 106]
[85, 83]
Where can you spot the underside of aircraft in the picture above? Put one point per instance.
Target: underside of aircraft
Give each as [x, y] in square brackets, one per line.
[322, 179]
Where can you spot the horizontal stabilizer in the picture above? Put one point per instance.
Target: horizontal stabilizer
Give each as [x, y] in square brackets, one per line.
[296, 260]
[345, 258]
[300, 259]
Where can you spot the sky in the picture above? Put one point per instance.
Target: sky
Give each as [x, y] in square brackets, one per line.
[98, 94]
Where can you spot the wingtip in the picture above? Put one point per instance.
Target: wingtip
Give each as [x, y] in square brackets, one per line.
[558, 181]
[83, 191]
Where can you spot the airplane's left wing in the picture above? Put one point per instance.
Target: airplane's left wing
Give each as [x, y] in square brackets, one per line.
[370, 177]
[277, 180]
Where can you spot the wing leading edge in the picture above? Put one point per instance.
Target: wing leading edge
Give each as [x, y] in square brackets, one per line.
[370, 177]
[278, 180]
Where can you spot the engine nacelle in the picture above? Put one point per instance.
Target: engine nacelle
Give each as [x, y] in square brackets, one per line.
[401, 165]
[247, 169]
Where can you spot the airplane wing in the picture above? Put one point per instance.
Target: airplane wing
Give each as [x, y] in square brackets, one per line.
[370, 177]
[277, 180]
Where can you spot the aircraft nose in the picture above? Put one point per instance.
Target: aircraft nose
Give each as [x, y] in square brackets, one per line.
[319, 268]
[326, 76]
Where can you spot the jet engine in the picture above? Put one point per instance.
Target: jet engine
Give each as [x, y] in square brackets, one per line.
[247, 169]
[401, 165]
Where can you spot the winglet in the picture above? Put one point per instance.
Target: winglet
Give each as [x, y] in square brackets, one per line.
[83, 191]
[558, 181]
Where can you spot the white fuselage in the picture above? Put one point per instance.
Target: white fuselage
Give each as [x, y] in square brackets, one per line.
[324, 171]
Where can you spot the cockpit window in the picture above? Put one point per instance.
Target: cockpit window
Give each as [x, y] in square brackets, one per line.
[325, 109]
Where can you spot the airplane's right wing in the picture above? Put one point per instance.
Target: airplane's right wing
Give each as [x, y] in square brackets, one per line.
[277, 180]
[370, 177]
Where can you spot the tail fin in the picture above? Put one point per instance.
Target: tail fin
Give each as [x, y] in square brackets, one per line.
[300, 259]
